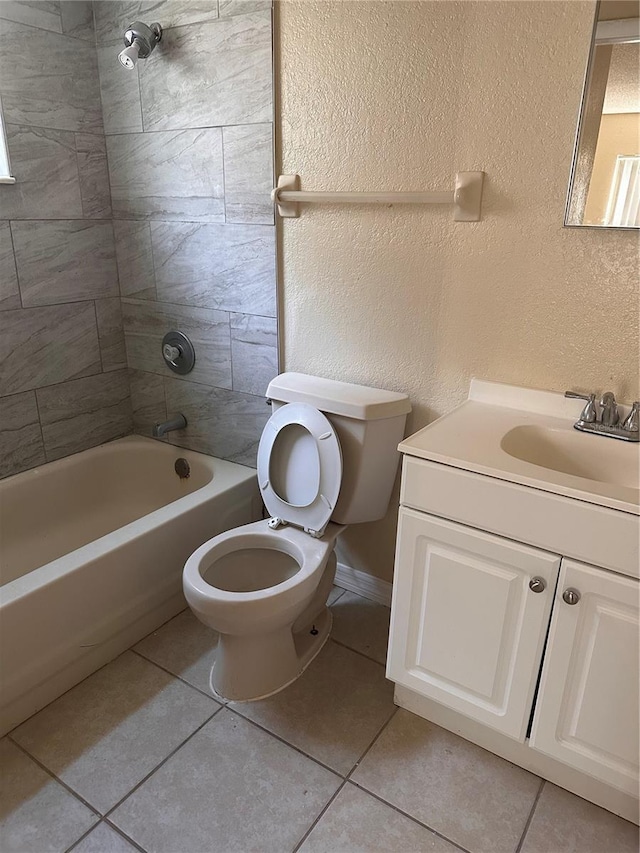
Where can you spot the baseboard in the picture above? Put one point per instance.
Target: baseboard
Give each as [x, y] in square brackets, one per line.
[363, 584]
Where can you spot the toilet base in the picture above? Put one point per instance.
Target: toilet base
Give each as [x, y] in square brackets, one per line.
[251, 668]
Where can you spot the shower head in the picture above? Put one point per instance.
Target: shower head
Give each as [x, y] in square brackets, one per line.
[140, 39]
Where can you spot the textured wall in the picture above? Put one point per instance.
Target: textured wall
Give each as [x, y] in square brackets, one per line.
[63, 379]
[400, 96]
[189, 142]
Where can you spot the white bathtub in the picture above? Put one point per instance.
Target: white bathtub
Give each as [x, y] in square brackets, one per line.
[91, 555]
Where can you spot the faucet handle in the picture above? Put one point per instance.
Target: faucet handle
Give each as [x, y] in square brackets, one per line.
[632, 421]
[589, 414]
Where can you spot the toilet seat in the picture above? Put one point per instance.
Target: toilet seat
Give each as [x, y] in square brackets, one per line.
[300, 467]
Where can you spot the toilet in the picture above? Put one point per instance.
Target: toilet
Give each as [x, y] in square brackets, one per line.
[327, 458]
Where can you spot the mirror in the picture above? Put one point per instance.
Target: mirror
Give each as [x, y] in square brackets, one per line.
[604, 186]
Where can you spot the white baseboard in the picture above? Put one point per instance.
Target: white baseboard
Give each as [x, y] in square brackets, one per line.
[363, 584]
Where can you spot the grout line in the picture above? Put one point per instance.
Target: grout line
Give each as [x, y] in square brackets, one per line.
[88, 42]
[346, 779]
[285, 742]
[177, 677]
[373, 742]
[82, 837]
[319, 817]
[530, 818]
[171, 130]
[407, 815]
[57, 779]
[161, 763]
[124, 835]
[356, 651]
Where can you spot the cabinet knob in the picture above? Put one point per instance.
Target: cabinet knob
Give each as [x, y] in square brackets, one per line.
[537, 585]
[571, 596]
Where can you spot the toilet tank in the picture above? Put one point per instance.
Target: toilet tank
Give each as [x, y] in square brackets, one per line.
[369, 423]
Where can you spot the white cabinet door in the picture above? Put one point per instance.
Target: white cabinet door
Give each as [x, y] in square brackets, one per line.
[466, 629]
[587, 708]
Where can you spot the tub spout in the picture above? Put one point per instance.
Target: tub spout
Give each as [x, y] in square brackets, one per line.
[178, 422]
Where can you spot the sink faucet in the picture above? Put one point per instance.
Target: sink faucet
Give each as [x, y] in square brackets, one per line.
[609, 422]
[609, 415]
[177, 422]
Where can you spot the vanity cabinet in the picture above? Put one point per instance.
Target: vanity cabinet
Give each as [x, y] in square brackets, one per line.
[539, 648]
[469, 619]
[587, 712]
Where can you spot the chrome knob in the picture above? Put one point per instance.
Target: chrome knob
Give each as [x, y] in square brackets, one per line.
[537, 584]
[571, 596]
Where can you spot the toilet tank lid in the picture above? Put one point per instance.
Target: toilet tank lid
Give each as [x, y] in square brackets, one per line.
[338, 398]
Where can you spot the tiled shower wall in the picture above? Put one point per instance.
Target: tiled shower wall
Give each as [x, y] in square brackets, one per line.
[63, 377]
[191, 234]
[189, 142]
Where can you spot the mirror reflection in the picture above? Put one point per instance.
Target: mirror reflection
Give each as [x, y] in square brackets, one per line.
[605, 182]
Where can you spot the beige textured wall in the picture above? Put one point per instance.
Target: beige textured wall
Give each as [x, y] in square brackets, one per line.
[400, 95]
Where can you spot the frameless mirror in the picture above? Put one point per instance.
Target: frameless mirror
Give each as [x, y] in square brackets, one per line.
[604, 186]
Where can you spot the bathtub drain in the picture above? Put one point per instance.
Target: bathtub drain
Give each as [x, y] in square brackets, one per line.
[183, 469]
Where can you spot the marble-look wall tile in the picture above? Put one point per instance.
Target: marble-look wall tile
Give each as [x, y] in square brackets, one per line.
[40, 346]
[248, 173]
[48, 80]
[210, 74]
[9, 293]
[172, 175]
[254, 352]
[227, 267]
[20, 434]
[85, 412]
[112, 16]
[77, 19]
[111, 334]
[146, 323]
[222, 423]
[120, 92]
[36, 13]
[147, 401]
[242, 7]
[93, 174]
[46, 169]
[135, 259]
[64, 261]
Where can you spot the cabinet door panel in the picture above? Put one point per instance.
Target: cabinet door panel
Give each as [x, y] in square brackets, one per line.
[587, 709]
[466, 630]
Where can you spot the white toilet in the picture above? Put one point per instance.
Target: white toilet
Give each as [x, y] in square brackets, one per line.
[327, 458]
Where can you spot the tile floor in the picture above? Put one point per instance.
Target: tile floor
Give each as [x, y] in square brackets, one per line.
[139, 756]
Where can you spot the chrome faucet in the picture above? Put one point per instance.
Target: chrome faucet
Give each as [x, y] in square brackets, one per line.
[608, 423]
[177, 422]
[609, 415]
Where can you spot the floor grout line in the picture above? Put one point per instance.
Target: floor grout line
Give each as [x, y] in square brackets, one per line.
[407, 815]
[178, 677]
[124, 835]
[530, 818]
[57, 779]
[161, 763]
[285, 742]
[357, 651]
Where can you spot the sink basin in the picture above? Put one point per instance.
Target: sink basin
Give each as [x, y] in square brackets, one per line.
[591, 457]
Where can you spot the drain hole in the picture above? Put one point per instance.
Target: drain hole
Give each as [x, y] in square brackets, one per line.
[183, 469]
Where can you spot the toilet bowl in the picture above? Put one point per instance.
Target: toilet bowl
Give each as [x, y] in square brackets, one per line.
[265, 592]
[264, 586]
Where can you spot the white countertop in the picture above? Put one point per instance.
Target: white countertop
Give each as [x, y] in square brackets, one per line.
[496, 418]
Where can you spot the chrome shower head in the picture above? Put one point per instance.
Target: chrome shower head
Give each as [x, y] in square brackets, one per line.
[140, 39]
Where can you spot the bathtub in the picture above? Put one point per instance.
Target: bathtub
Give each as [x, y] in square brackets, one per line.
[91, 555]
